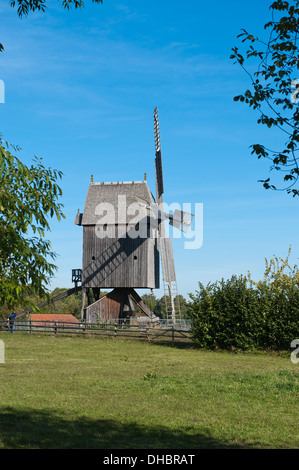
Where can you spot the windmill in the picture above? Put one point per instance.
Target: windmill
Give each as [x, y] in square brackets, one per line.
[114, 257]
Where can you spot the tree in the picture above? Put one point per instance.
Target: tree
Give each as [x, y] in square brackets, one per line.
[184, 307]
[279, 274]
[28, 199]
[164, 304]
[150, 300]
[274, 89]
[70, 305]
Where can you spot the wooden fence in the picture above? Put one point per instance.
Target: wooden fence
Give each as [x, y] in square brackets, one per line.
[164, 334]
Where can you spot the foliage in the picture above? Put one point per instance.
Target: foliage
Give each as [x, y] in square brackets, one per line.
[151, 301]
[28, 199]
[271, 87]
[225, 315]
[25, 6]
[243, 314]
[70, 305]
[184, 306]
[279, 274]
[158, 306]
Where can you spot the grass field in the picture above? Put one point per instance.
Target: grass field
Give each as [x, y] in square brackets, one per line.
[89, 392]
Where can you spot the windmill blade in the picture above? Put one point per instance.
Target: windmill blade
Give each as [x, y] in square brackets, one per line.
[181, 220]
[168, 268]
[165, 244]
[159, 175]
[157, 130]
[161, 215]
[158, 159]
[153, 209]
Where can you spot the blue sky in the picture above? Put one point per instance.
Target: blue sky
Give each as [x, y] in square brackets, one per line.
[80, 88]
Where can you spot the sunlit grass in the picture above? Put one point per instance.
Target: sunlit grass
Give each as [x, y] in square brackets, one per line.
[76, 392]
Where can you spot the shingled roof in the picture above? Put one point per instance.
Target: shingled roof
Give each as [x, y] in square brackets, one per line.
[38, 318]
[120, 195]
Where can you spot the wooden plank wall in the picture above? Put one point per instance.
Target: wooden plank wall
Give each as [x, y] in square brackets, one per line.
[106, 308]
[119, 262]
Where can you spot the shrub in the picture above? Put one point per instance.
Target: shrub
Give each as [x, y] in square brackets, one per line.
[243, 314]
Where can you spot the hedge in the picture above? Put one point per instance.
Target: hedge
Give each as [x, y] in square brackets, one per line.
[237, 314]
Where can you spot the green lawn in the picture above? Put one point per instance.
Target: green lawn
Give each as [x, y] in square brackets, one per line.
[105, 393]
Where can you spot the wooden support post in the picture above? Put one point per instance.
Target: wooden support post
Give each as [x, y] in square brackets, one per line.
[90, 295]
[83, 303]
[96, 293]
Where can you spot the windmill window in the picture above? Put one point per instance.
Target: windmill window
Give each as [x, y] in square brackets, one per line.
[93, 258]
[105, 227]
[135, 257]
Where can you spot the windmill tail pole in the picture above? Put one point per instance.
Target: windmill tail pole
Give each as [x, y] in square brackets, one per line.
[157, 130]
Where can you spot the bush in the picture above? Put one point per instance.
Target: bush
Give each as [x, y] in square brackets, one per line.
[240, 313]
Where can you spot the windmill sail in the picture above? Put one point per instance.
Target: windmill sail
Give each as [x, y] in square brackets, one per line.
[159, 174]
[181, 220]
[158, 159]
[167, 259]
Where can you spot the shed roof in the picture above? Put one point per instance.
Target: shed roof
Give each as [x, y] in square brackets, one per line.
[58, 317]
[112, 200]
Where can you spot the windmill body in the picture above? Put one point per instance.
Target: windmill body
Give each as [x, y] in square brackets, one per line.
[120, 247]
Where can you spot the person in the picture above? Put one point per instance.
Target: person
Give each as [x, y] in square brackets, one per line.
[12, 321]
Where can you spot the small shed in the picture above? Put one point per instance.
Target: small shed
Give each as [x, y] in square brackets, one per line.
[118, 304]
